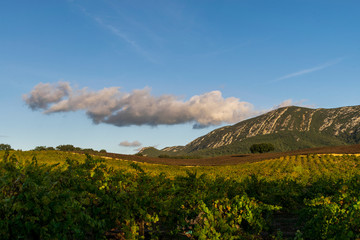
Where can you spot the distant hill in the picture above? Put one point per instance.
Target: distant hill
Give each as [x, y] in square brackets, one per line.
[288, 128]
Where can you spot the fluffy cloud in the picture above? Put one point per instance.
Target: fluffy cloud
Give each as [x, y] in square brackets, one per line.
[44, 94]
[138, 107]
[130, 144]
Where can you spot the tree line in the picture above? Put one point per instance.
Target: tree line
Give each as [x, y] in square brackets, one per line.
[65, 148]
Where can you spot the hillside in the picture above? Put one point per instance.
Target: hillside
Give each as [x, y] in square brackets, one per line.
[287, 128]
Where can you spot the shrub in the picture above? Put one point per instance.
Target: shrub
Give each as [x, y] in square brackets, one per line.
[40, 148]
[66, 147]
[262, 148]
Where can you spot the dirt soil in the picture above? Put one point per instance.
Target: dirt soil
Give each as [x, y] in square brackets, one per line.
[236, 159]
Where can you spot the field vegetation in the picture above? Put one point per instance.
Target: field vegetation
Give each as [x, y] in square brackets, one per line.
[53, 194]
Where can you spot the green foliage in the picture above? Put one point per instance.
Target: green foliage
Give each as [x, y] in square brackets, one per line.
[87, 150]
[262, 148]
[4, 147]
[336, 216]
[42, 202]
[40, 148]
[84, 198]
[67, 148]
[43, 148]
[231, 219]
[71, 148]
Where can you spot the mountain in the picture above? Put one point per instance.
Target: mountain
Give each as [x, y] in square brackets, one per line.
[287, 128]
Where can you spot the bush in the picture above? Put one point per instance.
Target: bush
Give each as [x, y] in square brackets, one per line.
[40, 148]
[69, 148]
[45, 202]
[262, 148]
[43, 148]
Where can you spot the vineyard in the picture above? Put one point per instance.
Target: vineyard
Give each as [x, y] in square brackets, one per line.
[60, 195]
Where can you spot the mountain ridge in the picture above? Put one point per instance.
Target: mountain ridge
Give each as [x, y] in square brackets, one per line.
[302, 127]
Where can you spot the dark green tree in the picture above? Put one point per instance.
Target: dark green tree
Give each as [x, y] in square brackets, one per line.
[43, 148]
[40, 148]
[262, 148]
[67, 147]
[5, 147]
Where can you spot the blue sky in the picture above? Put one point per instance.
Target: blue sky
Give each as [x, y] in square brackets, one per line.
[143, 73]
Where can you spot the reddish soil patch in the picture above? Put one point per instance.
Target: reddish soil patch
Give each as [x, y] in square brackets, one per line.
[236, 159]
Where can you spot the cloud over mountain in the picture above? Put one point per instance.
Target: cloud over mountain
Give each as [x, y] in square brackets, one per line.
[138, 107]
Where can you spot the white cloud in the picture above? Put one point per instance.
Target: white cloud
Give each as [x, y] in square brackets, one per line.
[130, 144]
[139, 107]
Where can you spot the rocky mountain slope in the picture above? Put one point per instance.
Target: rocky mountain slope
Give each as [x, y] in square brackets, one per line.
[289, 128]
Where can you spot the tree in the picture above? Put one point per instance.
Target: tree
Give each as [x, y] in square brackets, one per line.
[86, 150]
[43, 148]
[262, 148]
[5, 147]
[67, 147]
[40, 148]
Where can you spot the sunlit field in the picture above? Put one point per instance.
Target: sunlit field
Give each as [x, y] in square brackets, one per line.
[54, 194]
